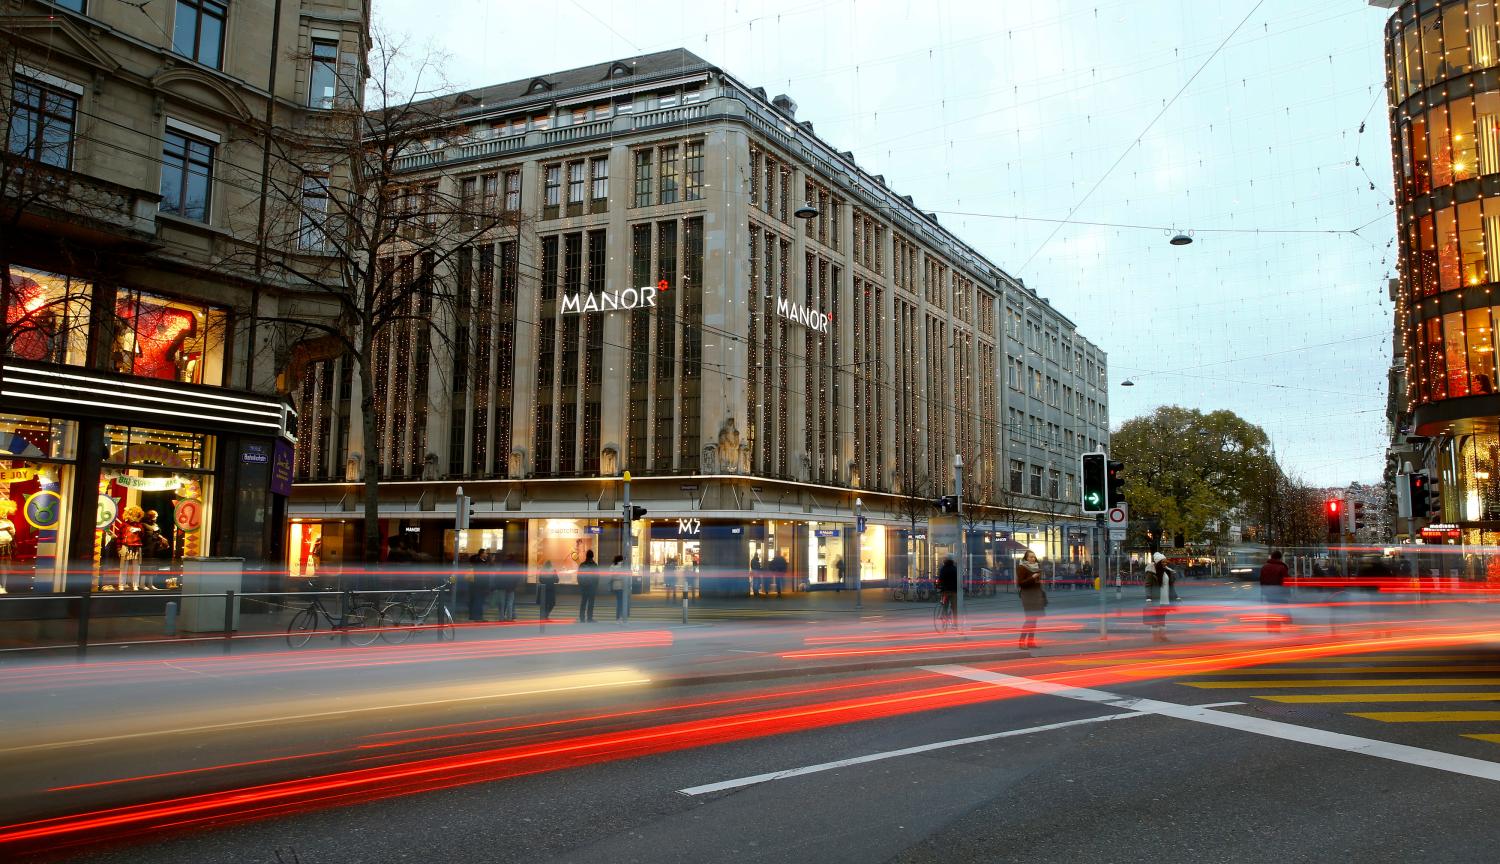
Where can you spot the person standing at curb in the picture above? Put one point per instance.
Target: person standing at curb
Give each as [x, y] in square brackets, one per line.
[1273, 576]
[588, 587]
[617, 584]
[1155, 613]
[1033, 597]
[546, 589]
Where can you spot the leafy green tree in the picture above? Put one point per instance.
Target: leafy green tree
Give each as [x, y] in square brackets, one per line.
[1187, 471]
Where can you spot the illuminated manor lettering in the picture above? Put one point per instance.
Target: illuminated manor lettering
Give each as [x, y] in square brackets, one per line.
[609, 301]
[812, 319]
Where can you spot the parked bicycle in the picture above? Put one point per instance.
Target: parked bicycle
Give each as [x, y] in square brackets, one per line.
[406, 616]
[360, 620]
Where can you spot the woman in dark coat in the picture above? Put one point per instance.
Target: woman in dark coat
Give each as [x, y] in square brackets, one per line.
[1033, 596]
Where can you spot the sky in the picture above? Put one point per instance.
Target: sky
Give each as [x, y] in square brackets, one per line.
[1260, 126]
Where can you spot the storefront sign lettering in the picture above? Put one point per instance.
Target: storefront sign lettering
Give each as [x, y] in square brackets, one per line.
[104, 513]
[255, 454]
[43, 510]
[17, 475]
[825, 532]
[189, 515]
[281, 468]
[148, 484]
[609, 301]
[812, 319]
[689, 527]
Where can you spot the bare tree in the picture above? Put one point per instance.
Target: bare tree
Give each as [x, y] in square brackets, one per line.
[362, 234]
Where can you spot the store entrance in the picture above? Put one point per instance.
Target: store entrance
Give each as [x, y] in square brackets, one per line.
[675, 564]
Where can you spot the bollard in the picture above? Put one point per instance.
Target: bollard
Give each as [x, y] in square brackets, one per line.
[684, 609]
[228, 619]
[171, 623]
[85, 600]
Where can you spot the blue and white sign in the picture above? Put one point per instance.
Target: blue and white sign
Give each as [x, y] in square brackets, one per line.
[593, 529]
[825, 532]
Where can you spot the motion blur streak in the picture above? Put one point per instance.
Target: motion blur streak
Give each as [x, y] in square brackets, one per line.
[427, 775]
[53, 674]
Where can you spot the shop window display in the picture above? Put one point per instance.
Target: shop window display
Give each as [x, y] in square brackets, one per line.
[168, 340]
[35, 484]
[154, 500]
[48, 317]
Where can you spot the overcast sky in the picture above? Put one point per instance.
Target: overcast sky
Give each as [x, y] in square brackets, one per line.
[1002, 109]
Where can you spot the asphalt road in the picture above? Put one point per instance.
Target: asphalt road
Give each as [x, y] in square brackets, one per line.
[1090, 752]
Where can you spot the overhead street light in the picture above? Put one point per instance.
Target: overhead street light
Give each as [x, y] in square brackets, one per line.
[806, 211]
[1127, 383]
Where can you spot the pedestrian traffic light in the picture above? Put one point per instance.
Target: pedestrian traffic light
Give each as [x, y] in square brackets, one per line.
[1333, 511]
[1419, 491]
[465, 512]
[1095, 482]
[1116, 483]
[1358, 510]
[637, 512]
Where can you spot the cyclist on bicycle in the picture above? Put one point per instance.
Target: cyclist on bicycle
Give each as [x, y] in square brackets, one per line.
[948, 584]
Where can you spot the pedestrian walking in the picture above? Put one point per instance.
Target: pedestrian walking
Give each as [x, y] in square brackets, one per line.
[617, 576]
[546, 588]
[1033, 596]
[1273, 575]
[778, 571]
[588, 587]
[1155, 613]
[756, 575]
[480, 583]
[669, 578]
[839, 567]
[511, 579]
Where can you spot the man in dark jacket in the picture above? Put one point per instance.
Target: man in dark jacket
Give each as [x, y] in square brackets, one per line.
[588, 586]
[1273, 575]
[778, 572]
[948, 583]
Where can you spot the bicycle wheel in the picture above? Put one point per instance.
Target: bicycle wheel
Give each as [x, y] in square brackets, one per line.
[300, 631]
[939, 617]
[364, 624]
[401, 621]
[446, 631]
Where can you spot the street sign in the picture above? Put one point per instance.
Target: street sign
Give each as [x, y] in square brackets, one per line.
[859, 525]
[825, 532]
[1119, 517]
[1117, 535]
[943, 530]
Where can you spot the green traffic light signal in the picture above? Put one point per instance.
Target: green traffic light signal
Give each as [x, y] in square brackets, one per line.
[1095, 482]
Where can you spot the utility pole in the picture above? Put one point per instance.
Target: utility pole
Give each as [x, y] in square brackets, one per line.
[859, 548]
[963, 564]
[626, 539]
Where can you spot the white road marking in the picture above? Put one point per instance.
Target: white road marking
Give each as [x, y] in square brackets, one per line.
[260, 721]
[892, 754]
[1418, 756]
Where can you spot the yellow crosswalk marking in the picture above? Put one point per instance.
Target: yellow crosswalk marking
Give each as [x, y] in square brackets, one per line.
[1333, 698]
[1344, 682]
[1427, 716]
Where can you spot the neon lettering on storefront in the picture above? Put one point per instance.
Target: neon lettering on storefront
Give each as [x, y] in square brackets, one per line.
[611, 301]
[812, 319]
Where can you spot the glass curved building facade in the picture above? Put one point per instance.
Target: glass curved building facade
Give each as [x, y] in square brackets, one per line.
[1443, 76]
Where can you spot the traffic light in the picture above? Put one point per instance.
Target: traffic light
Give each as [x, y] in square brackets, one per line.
[1095, 482]
[1359, 515]
[947, 504]
[637, 512]
[1333, 510]
[1116, 483]
[1419, 491]
[465, 512]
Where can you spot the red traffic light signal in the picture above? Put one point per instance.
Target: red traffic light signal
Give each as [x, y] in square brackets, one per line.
[1334, 505]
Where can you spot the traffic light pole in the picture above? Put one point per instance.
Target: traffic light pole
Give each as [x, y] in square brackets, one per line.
[627, 531]
[963, 547]
[1100, 568]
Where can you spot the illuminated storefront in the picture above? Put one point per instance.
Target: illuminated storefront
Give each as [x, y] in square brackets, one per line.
[36, 485]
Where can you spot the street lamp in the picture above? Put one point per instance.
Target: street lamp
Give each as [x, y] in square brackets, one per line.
[806, 211]
[1127, 383]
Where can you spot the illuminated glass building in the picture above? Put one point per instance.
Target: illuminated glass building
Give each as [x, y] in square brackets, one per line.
[660, 305]
[1443, 64]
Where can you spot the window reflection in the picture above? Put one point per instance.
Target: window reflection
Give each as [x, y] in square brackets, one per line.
[48, 317]
[1479, 333]
[169, 340]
